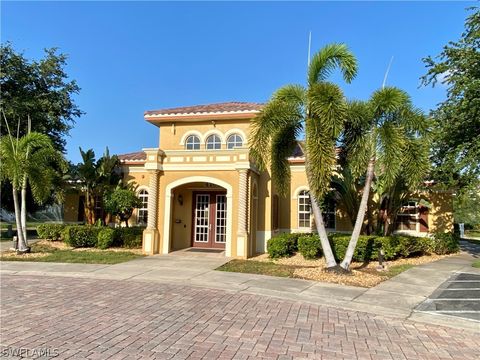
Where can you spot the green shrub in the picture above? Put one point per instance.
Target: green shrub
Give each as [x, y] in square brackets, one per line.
[81, 235]
[309, 246]
[368, 247]
[50, 231]
[283, 245]
[445, 243]
[130, 237]
[105, 238]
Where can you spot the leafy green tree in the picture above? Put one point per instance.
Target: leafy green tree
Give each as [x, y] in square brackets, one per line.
[319, 109]
[121, 203]
[466, 207]
[387, 137]
[39, 90]
[24, 160]
[456, 146]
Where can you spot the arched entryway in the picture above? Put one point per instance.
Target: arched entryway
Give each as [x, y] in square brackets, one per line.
[198, 213]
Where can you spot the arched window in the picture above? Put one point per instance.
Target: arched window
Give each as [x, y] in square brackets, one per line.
[234, 141]
[304, 210]
[192, 143]
[213, 142]
[142, 213]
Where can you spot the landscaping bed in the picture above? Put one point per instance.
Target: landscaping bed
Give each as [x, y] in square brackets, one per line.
[364, 275]
[57, 251]
[300, 256]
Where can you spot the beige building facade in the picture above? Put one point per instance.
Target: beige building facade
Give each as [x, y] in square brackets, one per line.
[200, 189]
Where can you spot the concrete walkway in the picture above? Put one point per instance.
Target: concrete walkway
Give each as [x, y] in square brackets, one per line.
[397, 297]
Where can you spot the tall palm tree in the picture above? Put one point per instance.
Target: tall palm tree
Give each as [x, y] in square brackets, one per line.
[98, 177]
[27, 160]
[319, 110]
[386, 137]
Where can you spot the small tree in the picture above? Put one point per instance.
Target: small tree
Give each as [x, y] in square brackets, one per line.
[121, 203]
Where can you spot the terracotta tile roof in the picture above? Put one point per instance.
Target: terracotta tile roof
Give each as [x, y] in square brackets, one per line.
[225, 107]
[138, 156]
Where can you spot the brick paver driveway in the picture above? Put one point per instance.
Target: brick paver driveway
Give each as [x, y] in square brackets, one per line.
[105, 319]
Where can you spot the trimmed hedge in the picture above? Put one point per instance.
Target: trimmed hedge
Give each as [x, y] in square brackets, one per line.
[81, 235]
[105, 238]
[368, 247]
[130, 237]
[445, 243]
[283, 245]
[309, 246]
[52, 232]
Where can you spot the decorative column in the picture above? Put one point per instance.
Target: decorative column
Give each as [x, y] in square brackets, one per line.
[152, 199]
[242, 232]
[151, 235]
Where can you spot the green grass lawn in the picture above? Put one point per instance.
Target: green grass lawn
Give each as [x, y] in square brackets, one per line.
[258, 267]
[74, 256]
[473, 233]
[397, 269]
[476, 264]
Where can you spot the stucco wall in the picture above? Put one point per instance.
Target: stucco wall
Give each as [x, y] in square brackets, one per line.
[440, 215]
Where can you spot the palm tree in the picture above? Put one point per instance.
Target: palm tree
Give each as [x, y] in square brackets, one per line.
[98, 177]
[27, 160]
[319, 110]
[386, 136]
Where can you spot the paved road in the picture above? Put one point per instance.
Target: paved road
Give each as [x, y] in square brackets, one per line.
[458, 296]
[85, 318]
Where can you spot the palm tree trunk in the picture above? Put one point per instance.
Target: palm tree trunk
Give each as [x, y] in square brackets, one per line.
[360, 216]
[23, 212]
[322, 233]
[22, 246]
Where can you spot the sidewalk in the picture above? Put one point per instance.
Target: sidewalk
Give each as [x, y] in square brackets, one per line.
[397, 297]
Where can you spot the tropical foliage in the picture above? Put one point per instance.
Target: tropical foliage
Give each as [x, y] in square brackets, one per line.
[319, 110]
[28, 160]
[121, 203]
[96, 179]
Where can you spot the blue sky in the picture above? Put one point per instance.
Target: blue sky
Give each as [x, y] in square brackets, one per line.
[129, 57]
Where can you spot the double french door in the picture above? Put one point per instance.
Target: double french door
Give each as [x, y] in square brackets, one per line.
[209, 220]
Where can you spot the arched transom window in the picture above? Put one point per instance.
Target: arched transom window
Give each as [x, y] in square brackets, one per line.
[143, 209]
[213, 142]
[192, 143]
[234, 141]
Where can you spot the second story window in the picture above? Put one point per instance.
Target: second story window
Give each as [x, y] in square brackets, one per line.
[234, 141]
[213, 142]
[192, 143]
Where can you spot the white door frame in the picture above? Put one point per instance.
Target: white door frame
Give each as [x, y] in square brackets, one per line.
[167, 221]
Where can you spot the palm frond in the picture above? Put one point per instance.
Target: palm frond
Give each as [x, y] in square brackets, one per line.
[390, 146]
[358, 136]
[330, 57]
[286, 111]
[327, 105]
[415, 165]
[283, 144]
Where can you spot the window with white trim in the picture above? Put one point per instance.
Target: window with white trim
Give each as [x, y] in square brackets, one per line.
[192, 143]
[304, 210]
[407, 217]
[234, 141]
[142, 213]
[213, 142]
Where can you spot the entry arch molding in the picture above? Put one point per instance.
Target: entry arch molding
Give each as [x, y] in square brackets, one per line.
[167, 222]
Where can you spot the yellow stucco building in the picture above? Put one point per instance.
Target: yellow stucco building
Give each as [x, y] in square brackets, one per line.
[199, 188]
